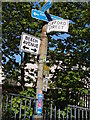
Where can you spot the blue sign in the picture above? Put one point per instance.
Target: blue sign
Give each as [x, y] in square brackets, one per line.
[46, 6]
[39, 104]
[41, 16]
[36, 3]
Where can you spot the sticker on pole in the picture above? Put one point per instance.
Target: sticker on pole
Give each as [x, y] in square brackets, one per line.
[39, 104]
[58, 25]
[45, 70]
[45, 84]
[30, 44]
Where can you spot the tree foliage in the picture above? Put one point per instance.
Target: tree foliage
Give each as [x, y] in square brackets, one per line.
[70, 54]
[16, 18]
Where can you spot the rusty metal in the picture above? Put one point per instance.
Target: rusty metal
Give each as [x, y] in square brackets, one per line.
[43, 53]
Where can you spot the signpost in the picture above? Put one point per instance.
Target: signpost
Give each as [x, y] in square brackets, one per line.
[41, 15]
[43, 53]
[58, 25]
[46, 6]
[42, 68]
[30, 44]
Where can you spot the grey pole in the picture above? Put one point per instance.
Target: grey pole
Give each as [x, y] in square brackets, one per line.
[43, 53]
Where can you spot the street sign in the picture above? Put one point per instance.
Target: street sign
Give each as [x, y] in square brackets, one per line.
[45, 84]
[46, 6]
[58, 25]
[41, 16]
[39, 104]
[30, 44]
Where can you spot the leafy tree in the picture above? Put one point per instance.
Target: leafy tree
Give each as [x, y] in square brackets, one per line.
[70, 51]
[16, 18]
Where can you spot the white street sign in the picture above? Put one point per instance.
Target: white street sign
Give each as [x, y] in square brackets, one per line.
[30, 43]
[45, 84]
[58, 25]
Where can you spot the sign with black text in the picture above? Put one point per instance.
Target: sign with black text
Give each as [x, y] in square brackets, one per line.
[58, 25]
[30, 44]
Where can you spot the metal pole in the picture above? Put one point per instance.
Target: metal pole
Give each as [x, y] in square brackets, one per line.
[43, 54]
[55, 112]
[71, 114]
[75, 113]
[59, 114]
[67, 112]
[0, 64]
[51, 112]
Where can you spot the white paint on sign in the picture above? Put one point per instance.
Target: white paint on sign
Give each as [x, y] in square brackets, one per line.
[30, 44]
[58, 25]
[36, 14]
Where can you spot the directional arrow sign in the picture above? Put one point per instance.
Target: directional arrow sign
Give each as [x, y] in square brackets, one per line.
[46, 6]
[41, 16]
[30, 44]
[34, 50]
[25, 47]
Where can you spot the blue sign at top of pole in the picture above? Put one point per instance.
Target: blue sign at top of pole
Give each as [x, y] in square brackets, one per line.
[46, 6]
[41, 16]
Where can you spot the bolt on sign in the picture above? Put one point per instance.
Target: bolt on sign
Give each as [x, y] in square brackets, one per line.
[45, 70]
[30, 44]
[45, 84]
[58, 25]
